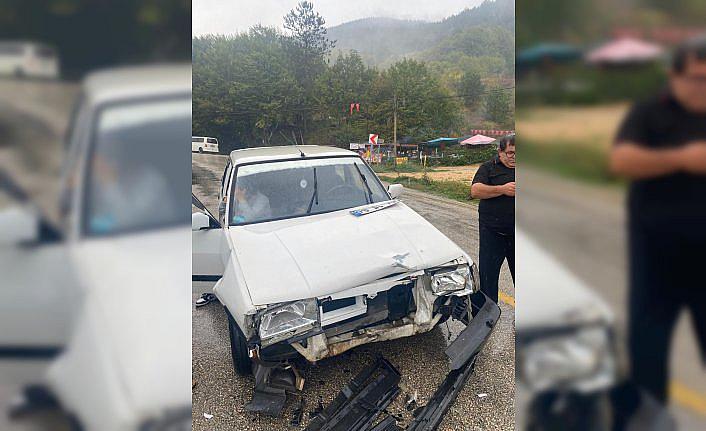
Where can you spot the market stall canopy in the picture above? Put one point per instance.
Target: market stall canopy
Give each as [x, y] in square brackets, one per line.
[556, 52]
[478, 140]
[439, 141]
[624, 51]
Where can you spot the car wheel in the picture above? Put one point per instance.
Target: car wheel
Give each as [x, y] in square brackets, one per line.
[200, 150]
[239, 349]
[553, 411]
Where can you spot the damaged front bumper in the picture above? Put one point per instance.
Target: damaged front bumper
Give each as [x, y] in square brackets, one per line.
[407, 307]
[356, 407]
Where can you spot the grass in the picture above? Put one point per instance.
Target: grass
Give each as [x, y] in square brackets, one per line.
[572, 142]
[455, 190]
[382, 168]
[580, 162]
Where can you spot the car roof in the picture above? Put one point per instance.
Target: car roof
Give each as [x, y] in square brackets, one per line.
[260, 154]
[137, 82]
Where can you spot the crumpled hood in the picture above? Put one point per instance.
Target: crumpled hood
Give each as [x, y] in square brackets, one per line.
[320, 255]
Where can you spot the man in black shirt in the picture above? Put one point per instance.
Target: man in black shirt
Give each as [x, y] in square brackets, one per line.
[494, 185]
[661, 148]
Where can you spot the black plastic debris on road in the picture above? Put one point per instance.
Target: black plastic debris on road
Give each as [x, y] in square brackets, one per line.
[462, 353]
[373, 389]
[471, 339]
[387, 424]
[358, 404]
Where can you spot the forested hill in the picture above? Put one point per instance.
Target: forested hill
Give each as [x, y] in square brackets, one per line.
[383, 41]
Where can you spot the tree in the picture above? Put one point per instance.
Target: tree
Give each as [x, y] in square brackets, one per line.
[244, 90]
[498, 107]
[308, 30]
[307, 47]
[424, 107]
[471, 88]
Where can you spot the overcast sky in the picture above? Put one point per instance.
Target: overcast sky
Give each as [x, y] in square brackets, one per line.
[232, 16]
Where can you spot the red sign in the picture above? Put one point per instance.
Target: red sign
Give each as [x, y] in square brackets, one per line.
[373, 139]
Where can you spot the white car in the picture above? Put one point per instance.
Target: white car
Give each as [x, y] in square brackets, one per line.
[28, 59]
[566, 356]
[203, 144]
[313, 257]
[75, 319]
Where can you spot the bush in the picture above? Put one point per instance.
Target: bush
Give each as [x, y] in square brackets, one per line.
[456, 190]
[583, 85]
[465, 156]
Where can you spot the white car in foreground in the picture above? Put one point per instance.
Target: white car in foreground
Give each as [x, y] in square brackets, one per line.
[75, 320]
[313, 257]
[566, 362]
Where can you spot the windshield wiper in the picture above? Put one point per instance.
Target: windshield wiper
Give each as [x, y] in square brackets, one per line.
[365, 181]
[315, 195]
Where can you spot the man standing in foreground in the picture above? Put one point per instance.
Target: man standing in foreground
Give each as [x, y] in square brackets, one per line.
[661, 148]
[494, 185]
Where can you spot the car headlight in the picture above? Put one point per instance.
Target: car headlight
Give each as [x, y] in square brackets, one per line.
[286, 320]
[582, 360]
[177, 420]
[456, 280]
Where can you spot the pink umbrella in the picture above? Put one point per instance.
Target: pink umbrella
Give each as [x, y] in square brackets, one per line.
[625, 50]
[478, 140]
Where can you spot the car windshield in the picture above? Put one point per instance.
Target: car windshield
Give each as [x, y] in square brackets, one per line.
[133, 184]
[279, 190]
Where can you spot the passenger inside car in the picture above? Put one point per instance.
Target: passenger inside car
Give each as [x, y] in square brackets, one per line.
[250, 205]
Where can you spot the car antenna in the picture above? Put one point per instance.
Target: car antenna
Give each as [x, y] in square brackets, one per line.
[301, 153]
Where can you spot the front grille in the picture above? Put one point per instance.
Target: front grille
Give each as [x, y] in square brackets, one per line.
[337, 304]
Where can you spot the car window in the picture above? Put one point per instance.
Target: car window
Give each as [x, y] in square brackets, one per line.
[132, 183]
[196, 139]
[211, 141]
[280, 190]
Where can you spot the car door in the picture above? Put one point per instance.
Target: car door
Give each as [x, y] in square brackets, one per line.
[39, 295]
[207, 244]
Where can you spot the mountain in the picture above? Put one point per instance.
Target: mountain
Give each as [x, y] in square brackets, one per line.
[383, 41]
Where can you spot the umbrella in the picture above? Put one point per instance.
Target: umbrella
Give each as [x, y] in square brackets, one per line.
[478, 140]
[625, 50]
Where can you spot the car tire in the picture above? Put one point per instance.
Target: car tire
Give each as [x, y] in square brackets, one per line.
[242, 365]
[590, 412]
[200, 150]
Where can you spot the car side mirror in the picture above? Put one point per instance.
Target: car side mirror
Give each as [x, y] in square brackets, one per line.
[19, 224]
[200, 221]
[395, 190]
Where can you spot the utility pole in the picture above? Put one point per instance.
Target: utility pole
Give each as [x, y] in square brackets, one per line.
[394, 129]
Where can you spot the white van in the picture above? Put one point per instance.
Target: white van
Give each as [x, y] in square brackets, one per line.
[204, 144]
[28, 59]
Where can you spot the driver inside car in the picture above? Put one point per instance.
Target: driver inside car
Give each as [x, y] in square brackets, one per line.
[250, 204]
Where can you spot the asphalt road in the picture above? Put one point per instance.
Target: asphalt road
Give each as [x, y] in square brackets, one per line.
[583, 227]
[420, 359]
